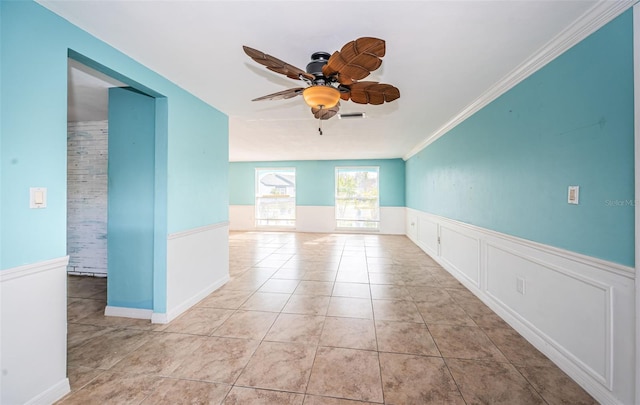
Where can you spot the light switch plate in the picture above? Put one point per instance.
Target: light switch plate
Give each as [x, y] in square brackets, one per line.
[38, 197]
[573, 195]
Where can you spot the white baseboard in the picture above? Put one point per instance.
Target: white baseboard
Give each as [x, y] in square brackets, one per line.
[560, 286]
[177, 311]
[51, 395]
[134, 313]
[159, 317]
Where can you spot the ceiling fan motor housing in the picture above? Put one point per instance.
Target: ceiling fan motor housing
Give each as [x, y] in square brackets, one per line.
[318, 60]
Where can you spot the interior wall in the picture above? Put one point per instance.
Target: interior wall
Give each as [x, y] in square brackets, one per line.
[488, 200]
[577, 310]
[636, 64]
[198, 160]
[197, 203]
[315, 193]
[87, 159]
[190, 183]
[35, 46]
[131, 196]
[508, 167]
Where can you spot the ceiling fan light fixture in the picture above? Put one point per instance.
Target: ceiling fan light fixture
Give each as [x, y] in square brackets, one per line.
[333, 77]
[320, 96]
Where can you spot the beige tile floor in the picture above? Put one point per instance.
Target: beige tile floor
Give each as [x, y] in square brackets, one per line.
[312, 319]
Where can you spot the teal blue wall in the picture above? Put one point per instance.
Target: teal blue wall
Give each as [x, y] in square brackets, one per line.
[160, 206]
[315, 180]
[199, 162]
[131, 196]
[507, 168]
[191, 153]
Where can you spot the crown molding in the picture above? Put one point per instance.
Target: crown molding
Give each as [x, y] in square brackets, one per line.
[592, 20]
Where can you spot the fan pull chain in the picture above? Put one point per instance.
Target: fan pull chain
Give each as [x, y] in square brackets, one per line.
[320, 119]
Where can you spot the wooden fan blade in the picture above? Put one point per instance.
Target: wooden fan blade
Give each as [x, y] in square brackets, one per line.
[276, 65]
[281, 95]
[373, 93]
[356, 60]
[325, 113]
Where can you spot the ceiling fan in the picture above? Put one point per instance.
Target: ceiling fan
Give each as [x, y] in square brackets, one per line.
[330, 78]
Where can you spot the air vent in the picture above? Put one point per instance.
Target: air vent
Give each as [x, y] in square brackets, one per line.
[349, 116]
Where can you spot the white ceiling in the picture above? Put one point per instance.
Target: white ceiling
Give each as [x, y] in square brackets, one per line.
[442, 55]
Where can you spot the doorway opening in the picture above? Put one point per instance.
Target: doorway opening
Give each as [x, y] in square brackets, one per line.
[87, 165]
[116, 135]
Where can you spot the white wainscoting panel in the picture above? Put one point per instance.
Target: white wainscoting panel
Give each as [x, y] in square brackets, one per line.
[242, 218]
[317, 219]
[392, 220]
[461, 251]
[576, 309]
[427, 235]
[545, 292]
[197, 264]
[33, 336]
[411, 225]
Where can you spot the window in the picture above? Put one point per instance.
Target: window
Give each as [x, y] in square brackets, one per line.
[276, 197]
[357, 198]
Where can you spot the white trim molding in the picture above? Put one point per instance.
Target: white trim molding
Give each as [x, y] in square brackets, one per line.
[134, 313]
[194, 231]
[185, 305]
[159, 317]
[596, 17]
[34, 268]
[51, 395]
[577, 310]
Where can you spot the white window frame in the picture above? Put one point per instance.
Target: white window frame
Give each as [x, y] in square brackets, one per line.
[257, 196]
[338, 218]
